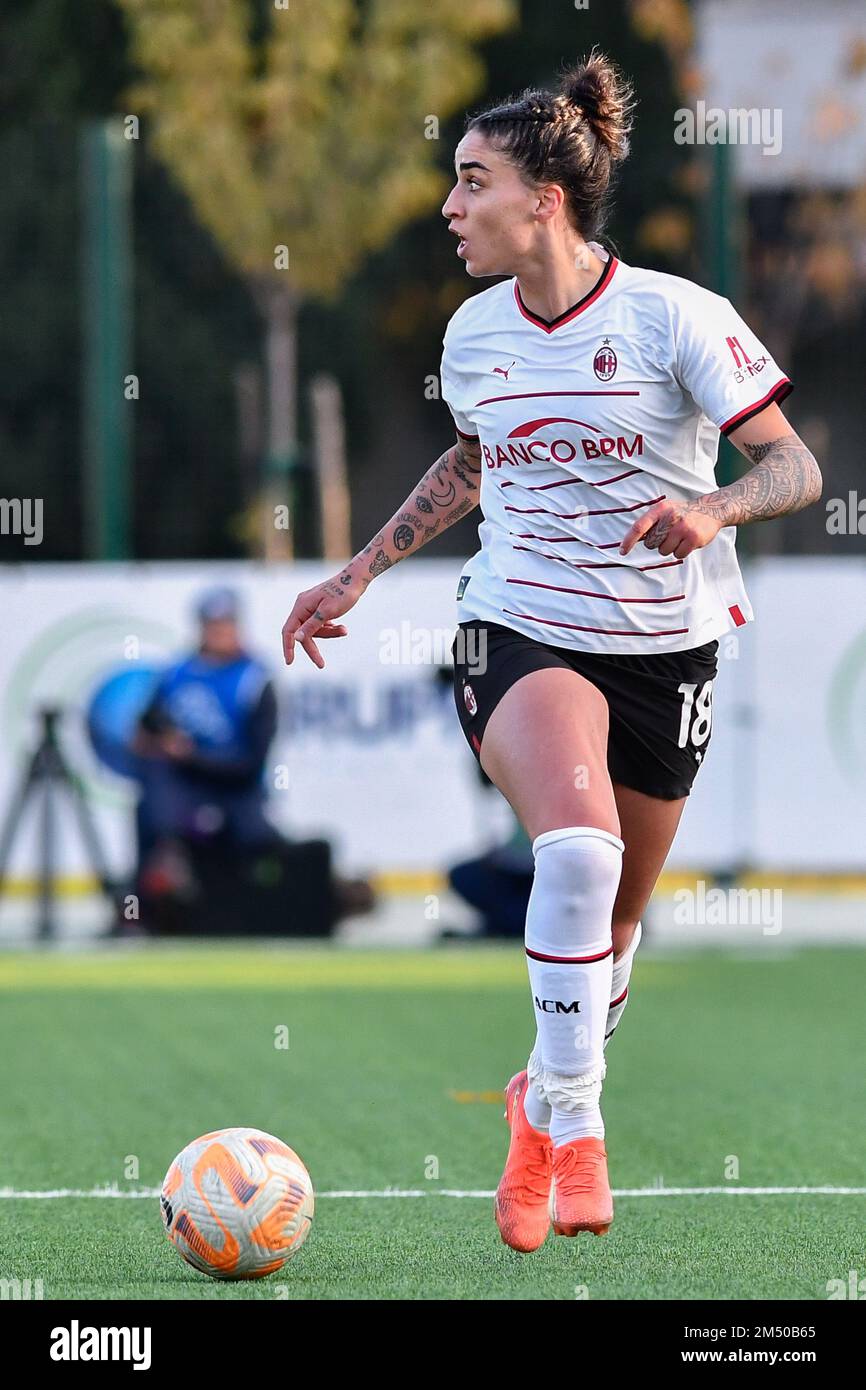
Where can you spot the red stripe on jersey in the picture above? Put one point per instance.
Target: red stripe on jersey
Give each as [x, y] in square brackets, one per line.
[588, 593]
[533, 395]
[607, 631]
[604, 280]
[530, 426]
[572, 516]
[613, 1003]
[598, 564]
[473, 438]
[570, 960]
[604, 545]
[782, 389]
[567, 482]
[568, 516]
[736, 614]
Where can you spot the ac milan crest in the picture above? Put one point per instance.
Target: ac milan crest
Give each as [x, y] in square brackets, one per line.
[470, 701]
[604, 363]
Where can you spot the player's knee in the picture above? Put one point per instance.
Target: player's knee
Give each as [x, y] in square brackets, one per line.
[577, 873]
[580, 860]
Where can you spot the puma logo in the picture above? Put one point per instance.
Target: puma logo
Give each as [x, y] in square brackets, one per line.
[503, 371]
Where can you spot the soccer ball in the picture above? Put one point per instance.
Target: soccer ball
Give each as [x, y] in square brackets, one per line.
[237, 1203]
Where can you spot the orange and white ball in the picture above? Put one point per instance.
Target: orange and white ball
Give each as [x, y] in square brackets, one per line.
[237, 1203]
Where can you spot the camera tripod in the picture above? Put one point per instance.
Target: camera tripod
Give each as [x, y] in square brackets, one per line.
[48, 773]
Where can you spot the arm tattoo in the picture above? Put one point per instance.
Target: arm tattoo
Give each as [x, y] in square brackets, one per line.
[465, 506]
[436, 506]
[443, 499]
[785, 479]
[379, 564]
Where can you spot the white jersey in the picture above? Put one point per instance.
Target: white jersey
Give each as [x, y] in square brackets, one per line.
[584, 422]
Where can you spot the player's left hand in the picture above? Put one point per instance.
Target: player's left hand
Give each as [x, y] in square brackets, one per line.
[673, 528]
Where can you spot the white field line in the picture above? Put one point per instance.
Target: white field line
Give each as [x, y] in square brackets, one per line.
[48, 1194]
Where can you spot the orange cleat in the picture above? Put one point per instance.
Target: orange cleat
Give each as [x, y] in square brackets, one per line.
[580, 1196]
[523, 1195]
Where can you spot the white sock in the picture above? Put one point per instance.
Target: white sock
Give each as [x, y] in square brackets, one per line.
[537, 1109]
[570, 959]
[619, 984]
[580, 1124]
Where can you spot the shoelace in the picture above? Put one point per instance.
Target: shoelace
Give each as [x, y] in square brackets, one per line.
[536, 1173]
[579, 1170]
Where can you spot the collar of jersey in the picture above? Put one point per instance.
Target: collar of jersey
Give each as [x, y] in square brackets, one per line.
[550, 325]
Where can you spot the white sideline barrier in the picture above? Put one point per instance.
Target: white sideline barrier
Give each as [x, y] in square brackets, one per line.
[375, 757]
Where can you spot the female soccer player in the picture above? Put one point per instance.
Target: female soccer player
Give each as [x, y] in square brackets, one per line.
[588, 397]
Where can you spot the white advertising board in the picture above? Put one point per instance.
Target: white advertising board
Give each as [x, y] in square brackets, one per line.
[374, 756]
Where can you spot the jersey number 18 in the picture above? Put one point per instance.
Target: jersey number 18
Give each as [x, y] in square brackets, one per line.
[702, 710]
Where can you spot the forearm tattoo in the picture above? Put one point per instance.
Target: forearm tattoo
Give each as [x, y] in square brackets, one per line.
[447, 492]
[785, 478]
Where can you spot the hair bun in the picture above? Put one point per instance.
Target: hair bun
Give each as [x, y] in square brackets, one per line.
[598, 90]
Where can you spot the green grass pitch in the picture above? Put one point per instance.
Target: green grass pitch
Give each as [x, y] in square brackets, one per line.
[135, 1052]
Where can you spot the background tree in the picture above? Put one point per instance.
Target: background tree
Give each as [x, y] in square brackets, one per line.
[198, 336]
[305, 137]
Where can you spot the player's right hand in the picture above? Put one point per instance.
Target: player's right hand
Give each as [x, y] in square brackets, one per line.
[314, 613]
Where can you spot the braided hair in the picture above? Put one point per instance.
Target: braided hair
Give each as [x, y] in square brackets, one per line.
[575, 136]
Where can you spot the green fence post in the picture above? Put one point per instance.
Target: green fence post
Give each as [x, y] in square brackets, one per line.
[106, 295]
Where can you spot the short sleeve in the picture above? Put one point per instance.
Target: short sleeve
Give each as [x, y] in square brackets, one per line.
[722, 364]
[451, 394]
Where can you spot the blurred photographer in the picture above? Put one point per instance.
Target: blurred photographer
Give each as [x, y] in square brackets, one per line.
[201, 746]
[203, 740]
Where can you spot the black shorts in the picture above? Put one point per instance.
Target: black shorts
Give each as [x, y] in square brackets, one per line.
[660, 704]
